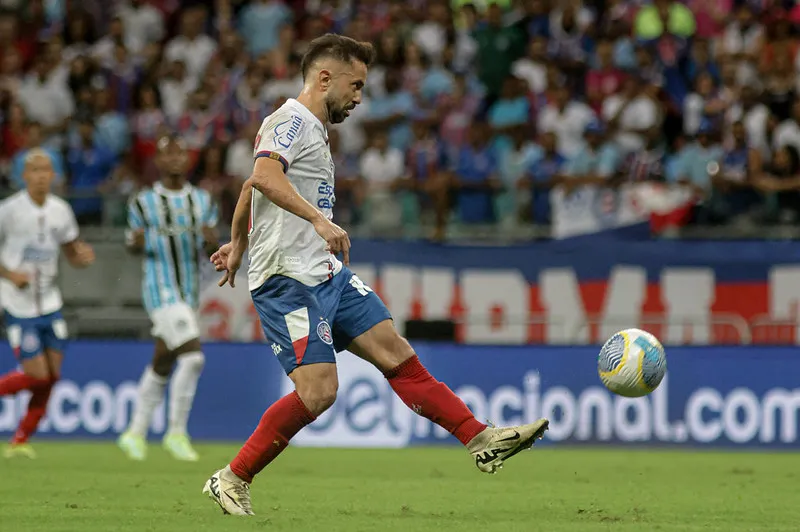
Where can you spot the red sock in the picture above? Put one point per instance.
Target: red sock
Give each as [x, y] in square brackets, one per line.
[37, 406]
[433, 399]
[16, 381]
[278, 425]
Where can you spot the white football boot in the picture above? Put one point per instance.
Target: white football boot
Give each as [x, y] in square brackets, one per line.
[231, 493]
[494, 445]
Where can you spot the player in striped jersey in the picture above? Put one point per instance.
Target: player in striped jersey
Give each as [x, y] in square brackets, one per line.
[171, 224]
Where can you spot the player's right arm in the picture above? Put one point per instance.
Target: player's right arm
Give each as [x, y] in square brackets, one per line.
[269, 179]
[280, 140]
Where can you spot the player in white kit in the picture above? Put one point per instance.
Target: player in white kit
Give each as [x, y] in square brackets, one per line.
[35, 227]
[311, 305]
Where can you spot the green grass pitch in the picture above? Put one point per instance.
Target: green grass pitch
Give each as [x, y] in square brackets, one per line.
[91, 487]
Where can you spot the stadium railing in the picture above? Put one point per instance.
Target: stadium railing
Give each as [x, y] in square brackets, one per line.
[768, 330]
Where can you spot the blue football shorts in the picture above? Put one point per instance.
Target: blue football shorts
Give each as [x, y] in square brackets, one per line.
[29, 337]
[310, 324]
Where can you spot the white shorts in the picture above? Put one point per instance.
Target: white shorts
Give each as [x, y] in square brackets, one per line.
[175, 324]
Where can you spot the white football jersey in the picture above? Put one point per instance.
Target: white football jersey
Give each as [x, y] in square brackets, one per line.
[30, 241]
[280, 242]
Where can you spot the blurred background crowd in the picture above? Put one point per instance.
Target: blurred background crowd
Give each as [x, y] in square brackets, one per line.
[473, 113]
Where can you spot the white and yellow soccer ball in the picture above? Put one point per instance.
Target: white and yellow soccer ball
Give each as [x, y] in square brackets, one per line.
[632, 363]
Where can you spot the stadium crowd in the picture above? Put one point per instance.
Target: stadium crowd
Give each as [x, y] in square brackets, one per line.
[472, 113]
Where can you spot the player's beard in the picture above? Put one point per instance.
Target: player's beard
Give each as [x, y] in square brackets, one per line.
[336, 113]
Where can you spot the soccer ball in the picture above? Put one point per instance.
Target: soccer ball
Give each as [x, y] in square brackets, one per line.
[632, 363]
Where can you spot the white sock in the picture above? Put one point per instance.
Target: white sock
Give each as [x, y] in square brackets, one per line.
[151, 393]
[182, 388]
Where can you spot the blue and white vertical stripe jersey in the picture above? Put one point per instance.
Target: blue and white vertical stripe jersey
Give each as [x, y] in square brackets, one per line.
[173, 222]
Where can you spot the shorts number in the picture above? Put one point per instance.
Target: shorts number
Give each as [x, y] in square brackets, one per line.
[359, 285]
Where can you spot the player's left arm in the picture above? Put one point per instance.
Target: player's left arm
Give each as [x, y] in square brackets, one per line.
[79, 254]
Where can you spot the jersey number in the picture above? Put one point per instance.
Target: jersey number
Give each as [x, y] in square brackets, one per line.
[359, 285]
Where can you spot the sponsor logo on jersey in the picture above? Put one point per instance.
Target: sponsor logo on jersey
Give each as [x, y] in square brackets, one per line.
[174, 230]
[286, 132]
[34, 254]
[327, 198]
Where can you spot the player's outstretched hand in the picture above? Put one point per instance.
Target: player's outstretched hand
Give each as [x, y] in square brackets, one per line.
[220, 257]
[229, 260]
[335, 236]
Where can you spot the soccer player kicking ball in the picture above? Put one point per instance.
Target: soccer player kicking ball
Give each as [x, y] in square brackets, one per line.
[171, 224]
[311, 305]
[34, 227]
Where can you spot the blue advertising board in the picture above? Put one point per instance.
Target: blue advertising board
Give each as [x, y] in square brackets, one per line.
[712, 396]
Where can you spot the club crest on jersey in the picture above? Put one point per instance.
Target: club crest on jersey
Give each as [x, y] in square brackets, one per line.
[30, 342]
[324, 332]
[285, 132]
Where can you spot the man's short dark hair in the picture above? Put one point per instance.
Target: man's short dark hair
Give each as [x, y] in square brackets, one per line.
[337, 47]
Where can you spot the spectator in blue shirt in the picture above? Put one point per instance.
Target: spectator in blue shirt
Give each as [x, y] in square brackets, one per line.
[392, 111]
[597, 162]
[436, 81]
[112, 129]
[700, 60]
[544, 172]
[34, 140]
[510, 111]
[514, 161]
[692, 163]
[474, 181]
[732, 183]
[537, 19]
[426, 185]
[260, 23]
[90, 164]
